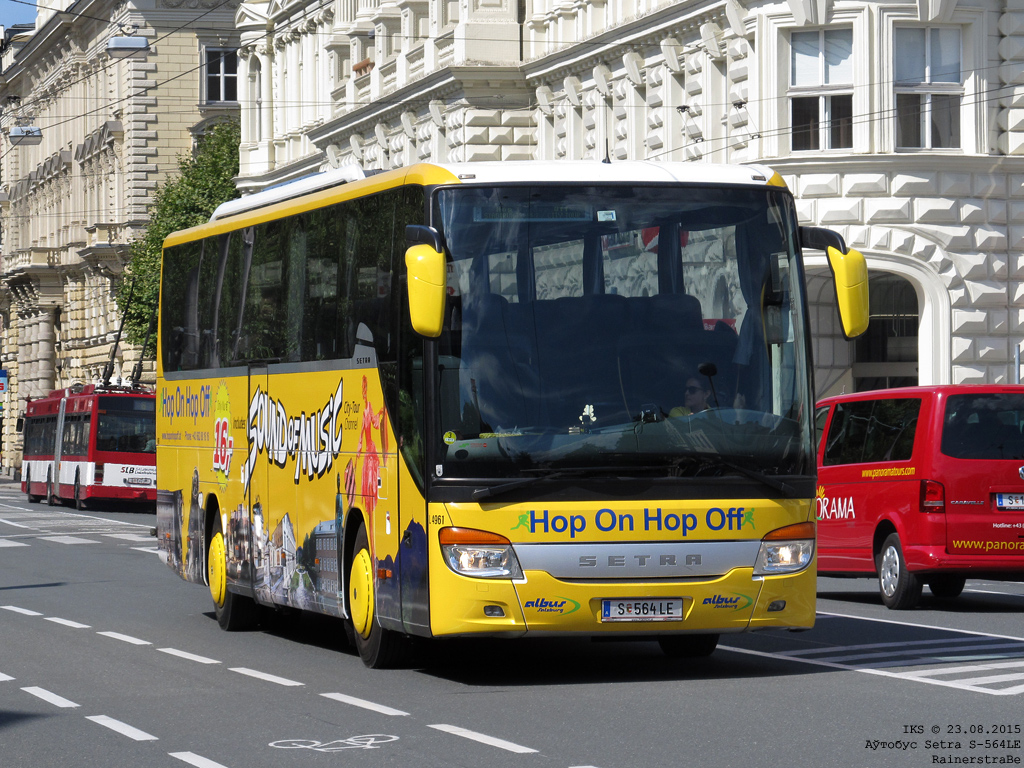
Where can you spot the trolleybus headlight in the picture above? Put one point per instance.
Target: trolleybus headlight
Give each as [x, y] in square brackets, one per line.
[786, 550]
[479, 554]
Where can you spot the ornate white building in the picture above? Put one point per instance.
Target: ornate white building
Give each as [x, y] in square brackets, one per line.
[900, 124]
[108, 132]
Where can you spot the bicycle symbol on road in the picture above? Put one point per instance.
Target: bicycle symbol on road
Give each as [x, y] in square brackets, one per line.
[369, 741]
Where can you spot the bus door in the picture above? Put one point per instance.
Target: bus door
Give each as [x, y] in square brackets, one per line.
[58, 446]
[266, 536]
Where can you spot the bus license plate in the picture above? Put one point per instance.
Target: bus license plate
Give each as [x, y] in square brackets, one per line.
[1010, 500]
[642, 609]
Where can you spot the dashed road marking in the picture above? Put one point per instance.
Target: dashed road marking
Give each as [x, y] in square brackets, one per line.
[364, 704]
[483, 738]
[123, 728]
[50, 697]
[24, 611]
[67, 623]
[125, 638]
[264, 676]
[187, 655]
[10, 543]
[197, 760]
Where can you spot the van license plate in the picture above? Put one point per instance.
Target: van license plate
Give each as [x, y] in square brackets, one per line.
[642, 609]
[1010, 500]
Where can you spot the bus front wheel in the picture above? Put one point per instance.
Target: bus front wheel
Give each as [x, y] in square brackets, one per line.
[379, 648]
[688, 646]
[234, 612]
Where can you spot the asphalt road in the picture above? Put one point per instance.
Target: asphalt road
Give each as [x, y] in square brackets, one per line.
[108, 659]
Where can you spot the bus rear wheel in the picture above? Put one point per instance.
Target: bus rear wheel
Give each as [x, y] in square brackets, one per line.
[900, 589]
[31, 497]
[688, 646]
[51, 490]
[234, 612]
[379, 648]
[80, 503]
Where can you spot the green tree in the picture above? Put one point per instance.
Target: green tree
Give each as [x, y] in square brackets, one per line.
[204, 181]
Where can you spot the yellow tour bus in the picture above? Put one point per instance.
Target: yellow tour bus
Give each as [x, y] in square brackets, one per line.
[498, 399]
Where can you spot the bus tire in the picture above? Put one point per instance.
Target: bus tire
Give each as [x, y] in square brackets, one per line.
[29, 496]
[235, 613]
[947, 586]
[80, 503]
[900, 589]
[379, 648]
[688, 646]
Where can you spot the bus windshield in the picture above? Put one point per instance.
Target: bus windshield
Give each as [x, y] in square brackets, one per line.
[126, 425]
[641, 330]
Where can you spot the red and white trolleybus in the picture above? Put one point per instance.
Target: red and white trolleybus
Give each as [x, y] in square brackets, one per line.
[90, 442]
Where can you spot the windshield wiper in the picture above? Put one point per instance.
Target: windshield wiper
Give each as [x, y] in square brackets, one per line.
[494, 490]
[714, 460]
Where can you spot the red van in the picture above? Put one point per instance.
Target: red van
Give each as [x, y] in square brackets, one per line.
[922, 485]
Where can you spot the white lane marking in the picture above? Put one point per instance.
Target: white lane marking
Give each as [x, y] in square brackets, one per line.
[264, 676]
[17, 525]
[931, 653]
[148, 550]
[961, 669]
[125, 638]
[24, 611]
[4, 678]
[9, 543]
[105, 520]
[921, 626]
[990, 679]
[123, 728]
[994, 592]
[197, 760]
[67, 622]
[128, 536]
[363, 703]
[872, 671]
[483, 738]
[187, 655]
[68, 540]
[48, 696]
[834, 648]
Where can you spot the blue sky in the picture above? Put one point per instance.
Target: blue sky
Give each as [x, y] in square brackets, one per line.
[16, 13]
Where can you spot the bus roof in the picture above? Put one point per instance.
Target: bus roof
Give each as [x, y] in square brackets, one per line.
[344, 183]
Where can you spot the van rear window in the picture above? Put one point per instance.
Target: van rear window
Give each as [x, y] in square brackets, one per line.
[984, 426]
[872, 430]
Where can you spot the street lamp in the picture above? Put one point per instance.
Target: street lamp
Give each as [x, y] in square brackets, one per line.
[26, 135]
[127, 45]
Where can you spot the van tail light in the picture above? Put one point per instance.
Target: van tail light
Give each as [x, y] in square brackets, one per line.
[933, 496]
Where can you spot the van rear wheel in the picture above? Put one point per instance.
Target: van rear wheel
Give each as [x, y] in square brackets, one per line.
[947, 587]
[900, 589]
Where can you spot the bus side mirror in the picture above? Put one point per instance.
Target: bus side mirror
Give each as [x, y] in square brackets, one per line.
[428, 286]
[849, 274]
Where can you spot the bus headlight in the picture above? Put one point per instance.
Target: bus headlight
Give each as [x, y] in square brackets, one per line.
[786, 550]
[479, 554]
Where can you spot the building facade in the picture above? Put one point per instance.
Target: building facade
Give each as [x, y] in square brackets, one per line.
[108, 130]
[899, 124]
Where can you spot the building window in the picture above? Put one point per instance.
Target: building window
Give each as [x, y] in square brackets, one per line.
[221, 75]
[821, 89]
[926, 68]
